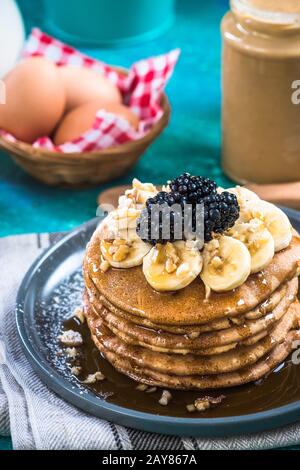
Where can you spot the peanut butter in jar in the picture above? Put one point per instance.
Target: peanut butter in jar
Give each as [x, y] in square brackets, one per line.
[261, 91]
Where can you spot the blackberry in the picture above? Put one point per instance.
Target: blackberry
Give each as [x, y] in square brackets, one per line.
[161, 198]
[220, 213]
[150, 229]
[220, 210]
[194, 188]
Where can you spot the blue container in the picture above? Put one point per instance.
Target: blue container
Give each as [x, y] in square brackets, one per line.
[93, 23]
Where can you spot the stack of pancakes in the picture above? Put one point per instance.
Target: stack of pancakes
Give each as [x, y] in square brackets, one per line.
[183, 340]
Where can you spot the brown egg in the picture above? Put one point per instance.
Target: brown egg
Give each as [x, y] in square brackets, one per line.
[83, 85]
[35, 100]
[81, 119]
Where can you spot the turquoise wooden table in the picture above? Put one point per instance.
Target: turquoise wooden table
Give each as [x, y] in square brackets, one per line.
[191, 142]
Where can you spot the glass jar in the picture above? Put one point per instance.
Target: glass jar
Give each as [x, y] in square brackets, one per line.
[261, 91]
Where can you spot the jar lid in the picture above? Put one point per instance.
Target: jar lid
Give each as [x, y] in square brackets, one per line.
[284, 14]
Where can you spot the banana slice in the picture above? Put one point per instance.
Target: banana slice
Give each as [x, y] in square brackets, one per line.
[243, 194]
[120, 224]
[274, 220]
[226, 264]
[123, 253]
[138, 195]
[105, 229]
[258, 240]
[172, 266]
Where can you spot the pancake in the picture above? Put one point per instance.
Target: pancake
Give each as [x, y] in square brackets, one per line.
[254, 339]
[99, 301]
[167, 342]
[97, 322]
[191, 364]
[202, 382]
[250, 374]
[128, 290]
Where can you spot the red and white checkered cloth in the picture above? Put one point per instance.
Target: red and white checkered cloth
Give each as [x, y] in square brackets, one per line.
[141, 90]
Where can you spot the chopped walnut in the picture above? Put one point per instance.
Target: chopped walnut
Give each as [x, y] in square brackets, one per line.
[171, 252]
[211, 254]
[121, 253]
[138, 194]
[93, 378]
[165, 398]
[141, 387]
[118, 249]
[79, 313]
[71, 352]
[194, 334]
[104, 265]
[136, 184]
[76, 370]
[125, 202]
[201, 404]
[170, 266]
[131, 194]
[71, 338]
[172, 261]
[191, 408]
[204, 403]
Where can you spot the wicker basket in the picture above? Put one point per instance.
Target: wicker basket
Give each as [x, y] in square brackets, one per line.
[83, 169]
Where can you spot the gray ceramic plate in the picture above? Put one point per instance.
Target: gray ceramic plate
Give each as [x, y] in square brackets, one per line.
[45, 281]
